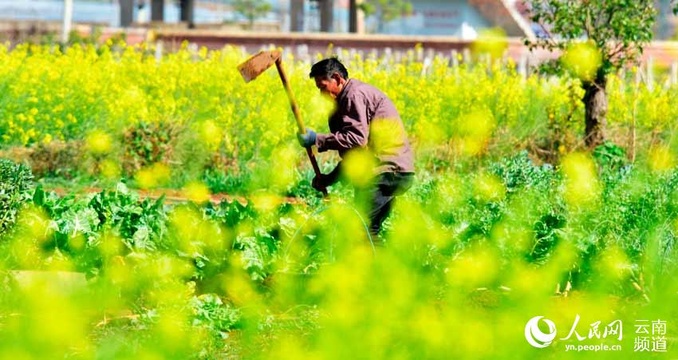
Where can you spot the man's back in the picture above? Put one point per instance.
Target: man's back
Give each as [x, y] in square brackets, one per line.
[363, 105]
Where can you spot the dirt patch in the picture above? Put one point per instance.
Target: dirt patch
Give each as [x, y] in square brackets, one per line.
[171, 195]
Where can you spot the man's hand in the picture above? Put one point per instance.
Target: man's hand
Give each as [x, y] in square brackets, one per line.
[321, 182]
[307, 139]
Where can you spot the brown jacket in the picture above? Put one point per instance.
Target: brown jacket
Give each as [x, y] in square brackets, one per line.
[366, 117]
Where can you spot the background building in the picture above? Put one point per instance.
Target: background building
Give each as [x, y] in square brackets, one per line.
[457, 18]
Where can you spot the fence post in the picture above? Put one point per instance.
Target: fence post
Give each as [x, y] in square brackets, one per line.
[302, 52]
[467, 55]
[67, 20]
[430, 53]
[454, 58]
[522, 66]
[650, 73]
[639, 76]
[372, 55]
[398, 56]
[158, 51]
[622, 80]
[426, 66]
[455, 65]
[386, 58]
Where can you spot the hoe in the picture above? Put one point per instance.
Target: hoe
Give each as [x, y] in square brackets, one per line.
[255, 66]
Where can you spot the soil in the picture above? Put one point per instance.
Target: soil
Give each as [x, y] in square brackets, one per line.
[171, 195]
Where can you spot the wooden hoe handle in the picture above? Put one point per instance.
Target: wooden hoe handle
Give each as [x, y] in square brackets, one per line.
[297, 116]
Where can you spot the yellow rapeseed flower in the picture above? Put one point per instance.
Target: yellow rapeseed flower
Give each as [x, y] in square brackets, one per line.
[197, 192]
[99, 142]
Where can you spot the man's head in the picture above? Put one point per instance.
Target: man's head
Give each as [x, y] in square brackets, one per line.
[330, 76]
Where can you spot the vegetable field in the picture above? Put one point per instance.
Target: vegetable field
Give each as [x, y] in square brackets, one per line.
[510, 218]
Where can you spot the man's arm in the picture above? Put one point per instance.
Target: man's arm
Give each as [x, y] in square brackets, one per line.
[354, 131]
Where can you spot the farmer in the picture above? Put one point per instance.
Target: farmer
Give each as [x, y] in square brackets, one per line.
[365, 120]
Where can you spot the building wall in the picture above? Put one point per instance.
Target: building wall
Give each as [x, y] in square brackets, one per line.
[436, 17]
[429, 17]
[665, 27]
[46, 10]
[105, 13]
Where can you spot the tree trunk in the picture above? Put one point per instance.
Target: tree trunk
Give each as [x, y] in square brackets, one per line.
[595, 103]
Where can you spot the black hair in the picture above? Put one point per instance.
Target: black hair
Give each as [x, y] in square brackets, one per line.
[327, 67]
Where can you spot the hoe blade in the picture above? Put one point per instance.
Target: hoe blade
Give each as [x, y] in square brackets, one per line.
[257, 64]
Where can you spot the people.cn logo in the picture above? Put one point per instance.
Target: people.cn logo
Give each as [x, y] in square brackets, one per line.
[535, 336]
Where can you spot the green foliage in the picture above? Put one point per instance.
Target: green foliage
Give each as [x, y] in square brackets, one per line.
[146, 144]
[15, 185]
[236, 275]
[210, 312]
[475, 248]
[641, 204]
[56, 159]
[81, 224]
[140, 222]
[230, 213]
[258, 250]
[519, 172]
[251, 9]
[597, 38]
[386, 10]
[618, 28]
[226, 181]
[610, 156]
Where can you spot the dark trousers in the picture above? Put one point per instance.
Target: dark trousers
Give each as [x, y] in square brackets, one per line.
[377, 199]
